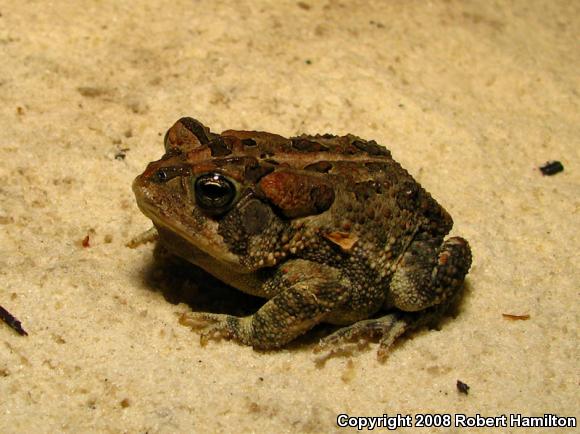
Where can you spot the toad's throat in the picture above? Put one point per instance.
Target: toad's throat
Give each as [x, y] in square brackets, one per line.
[228, 272]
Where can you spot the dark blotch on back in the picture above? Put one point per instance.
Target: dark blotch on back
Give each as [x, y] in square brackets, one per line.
[319, 166]
[305, 145]
[371, 147]
[219, 148]
[237, 161]
[366, 189]
[248, 142]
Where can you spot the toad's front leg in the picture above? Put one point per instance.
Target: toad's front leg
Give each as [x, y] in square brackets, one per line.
[302, 294]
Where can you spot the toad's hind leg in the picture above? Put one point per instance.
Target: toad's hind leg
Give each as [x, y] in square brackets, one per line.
[427, 280]
[429, 275]
[305, 294]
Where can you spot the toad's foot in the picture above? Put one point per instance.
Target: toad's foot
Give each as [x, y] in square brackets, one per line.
[211, 326]
[358, 335]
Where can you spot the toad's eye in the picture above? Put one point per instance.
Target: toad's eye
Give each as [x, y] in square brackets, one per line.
[214, 192]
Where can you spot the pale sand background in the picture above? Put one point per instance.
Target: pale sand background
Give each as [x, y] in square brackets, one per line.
[469, 96]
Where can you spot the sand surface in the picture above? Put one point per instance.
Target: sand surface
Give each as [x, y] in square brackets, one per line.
[471, 97]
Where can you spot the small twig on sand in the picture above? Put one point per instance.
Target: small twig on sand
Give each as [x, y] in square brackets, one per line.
[13, 322]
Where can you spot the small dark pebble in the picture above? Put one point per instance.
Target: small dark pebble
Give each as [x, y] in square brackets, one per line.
[551, 168]
[9, 319]
[86, 242]
[121, 154]
[462, 387]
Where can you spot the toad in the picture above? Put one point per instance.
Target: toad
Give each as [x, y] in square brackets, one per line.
[325, 228]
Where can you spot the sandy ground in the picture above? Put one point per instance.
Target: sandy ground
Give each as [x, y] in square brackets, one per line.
[471, 97]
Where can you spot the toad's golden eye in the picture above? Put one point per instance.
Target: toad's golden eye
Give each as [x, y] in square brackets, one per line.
[214, 192]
